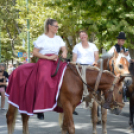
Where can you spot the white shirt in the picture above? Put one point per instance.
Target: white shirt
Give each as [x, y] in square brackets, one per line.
[85, 55]
[49, 45]
[111, 52]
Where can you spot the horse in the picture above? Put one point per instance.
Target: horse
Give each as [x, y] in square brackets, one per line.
[71, 94]
[130, 94]
[118, 65]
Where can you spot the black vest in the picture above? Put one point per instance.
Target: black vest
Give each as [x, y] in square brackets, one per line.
[118, 48]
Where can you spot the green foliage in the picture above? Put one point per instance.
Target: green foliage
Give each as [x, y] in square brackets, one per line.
[102, 19]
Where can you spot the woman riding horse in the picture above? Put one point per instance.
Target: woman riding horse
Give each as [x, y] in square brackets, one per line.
[34, 80]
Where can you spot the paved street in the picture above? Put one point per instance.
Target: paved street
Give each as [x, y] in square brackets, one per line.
[115, 125]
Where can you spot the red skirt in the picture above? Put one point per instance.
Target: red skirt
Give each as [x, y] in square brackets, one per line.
[32, 89]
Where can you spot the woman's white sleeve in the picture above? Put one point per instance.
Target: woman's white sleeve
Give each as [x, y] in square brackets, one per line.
[62, 43]
[95, 47]
[38, 43]
[75, 49]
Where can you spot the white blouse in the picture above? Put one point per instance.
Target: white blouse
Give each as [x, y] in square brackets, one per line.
[85, 55]
[49, 45]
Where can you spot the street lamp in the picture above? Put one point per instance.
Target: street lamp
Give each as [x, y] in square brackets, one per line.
[0, 42]
[28, 35]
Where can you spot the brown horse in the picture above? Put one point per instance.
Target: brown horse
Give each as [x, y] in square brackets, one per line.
[118, 65]
[71, 94]
[130, 94]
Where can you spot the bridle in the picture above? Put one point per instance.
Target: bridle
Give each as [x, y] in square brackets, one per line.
[114, 103]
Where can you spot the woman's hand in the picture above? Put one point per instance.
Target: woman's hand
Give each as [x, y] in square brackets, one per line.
[64, 55]
[53, 57]
[95, 64]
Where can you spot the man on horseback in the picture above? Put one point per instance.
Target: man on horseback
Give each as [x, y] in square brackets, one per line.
[119, 46]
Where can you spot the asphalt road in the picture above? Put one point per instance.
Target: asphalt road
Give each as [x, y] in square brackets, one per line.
[115, 124]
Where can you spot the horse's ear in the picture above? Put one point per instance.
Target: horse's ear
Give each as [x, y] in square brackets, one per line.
[115, 54]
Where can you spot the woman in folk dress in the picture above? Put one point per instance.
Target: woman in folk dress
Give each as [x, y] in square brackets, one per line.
[31, 88]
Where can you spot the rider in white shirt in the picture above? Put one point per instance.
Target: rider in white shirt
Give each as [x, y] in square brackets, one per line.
[119, 46]
[85, 52]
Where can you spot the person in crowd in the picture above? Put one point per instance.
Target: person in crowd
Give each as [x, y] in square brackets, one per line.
[2, 89]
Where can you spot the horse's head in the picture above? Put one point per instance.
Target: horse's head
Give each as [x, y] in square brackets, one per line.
[119, 64]
[112, 91]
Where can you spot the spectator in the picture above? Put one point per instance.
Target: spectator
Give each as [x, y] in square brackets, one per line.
[2, 88]
[2, 67]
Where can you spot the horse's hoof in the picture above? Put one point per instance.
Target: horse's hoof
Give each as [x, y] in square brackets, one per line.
[94, 132]
[131, 129]
[104, 132]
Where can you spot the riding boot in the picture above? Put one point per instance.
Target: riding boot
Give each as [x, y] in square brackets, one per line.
[40, 116]
[75, 113]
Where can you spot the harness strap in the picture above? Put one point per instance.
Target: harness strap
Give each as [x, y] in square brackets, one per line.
[57, 68]
[108, 65]
[114, 82]
[83, 77]
[98, 80]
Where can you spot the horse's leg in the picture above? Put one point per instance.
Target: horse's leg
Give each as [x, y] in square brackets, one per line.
[104, 120]
[98, 115]
[94, 117]
[131, 109]
[61, 115]
[25, 119]
[11, 116]
[68, 123]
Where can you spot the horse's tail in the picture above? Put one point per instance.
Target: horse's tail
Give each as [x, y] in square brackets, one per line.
[11, 117]
[61, 115]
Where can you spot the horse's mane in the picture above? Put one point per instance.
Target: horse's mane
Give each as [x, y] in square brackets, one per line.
[97, 69]
[108, 72]
[131, 68]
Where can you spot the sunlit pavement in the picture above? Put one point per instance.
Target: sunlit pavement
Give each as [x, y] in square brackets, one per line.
[115, 124]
